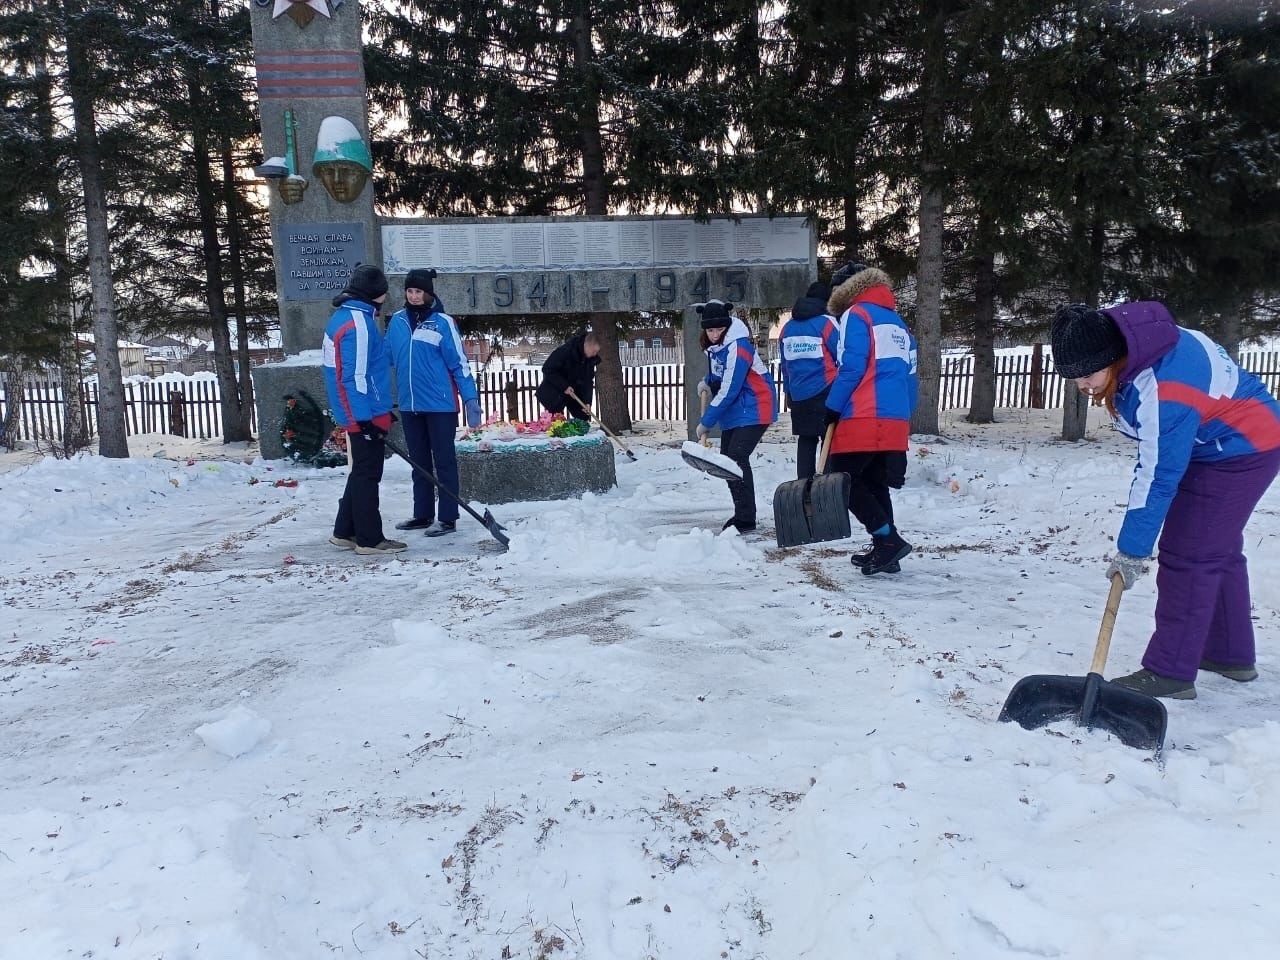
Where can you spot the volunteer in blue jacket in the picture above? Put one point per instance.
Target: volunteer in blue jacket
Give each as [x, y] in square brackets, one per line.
[1208, 447]
[431, 373]
[358, 380]
[870, 402]
[740, 401]
[809, 344]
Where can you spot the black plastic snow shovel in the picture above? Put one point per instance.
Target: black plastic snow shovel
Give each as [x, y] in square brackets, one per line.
[1136, 719]
[490, 523]
[600, 423]
[815, 509]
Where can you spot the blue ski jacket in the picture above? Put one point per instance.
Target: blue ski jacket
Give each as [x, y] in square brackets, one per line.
[429, 360]
[357, 377]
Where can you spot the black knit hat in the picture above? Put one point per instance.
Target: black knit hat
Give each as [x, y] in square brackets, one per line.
[818, 291]
[367, 283]
[1084, 341]
[846, 272]
[715, 313]
[420, 279]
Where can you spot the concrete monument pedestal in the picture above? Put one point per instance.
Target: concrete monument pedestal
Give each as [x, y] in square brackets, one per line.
[536, 470]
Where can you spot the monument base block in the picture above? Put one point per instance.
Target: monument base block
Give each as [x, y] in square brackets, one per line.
[537, 472]
[272, 382]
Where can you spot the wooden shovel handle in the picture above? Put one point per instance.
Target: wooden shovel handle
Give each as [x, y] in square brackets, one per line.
[1108, 624]
[598, 422]
[826, 448]
[702, 399]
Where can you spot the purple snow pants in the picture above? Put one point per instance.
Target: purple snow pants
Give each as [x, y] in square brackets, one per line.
[1202, 581]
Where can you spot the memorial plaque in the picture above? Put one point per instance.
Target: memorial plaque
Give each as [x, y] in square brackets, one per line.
[317, 258]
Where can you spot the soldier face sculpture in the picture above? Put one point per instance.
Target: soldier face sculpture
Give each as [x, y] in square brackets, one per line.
[344, 179]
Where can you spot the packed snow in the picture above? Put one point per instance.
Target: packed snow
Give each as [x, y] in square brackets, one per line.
[631, 736]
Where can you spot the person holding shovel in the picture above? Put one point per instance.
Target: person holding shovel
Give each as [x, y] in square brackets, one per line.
[431, 374]
[809, 344]
[570, 368]
[870, 403]
[357, 379]
[740, 401]
[1208, 438]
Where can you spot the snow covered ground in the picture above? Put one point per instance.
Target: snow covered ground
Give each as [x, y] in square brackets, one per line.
[632, 736]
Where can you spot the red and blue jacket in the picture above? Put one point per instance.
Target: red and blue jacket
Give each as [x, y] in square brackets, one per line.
[1183, 398]
[810, 349]
[357, 375]
[876, 388]
[743, 387]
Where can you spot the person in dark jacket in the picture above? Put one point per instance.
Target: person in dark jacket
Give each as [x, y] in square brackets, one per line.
[357, 378]
[1208, 438]
[571, 366]
[432, 373]
[809, 344]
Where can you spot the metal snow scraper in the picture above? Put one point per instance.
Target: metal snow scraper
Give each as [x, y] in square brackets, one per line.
[813, 510]
[600, 423]
[1136, 719]
[490, 523]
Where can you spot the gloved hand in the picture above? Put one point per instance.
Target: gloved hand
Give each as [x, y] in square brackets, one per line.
[370, 430]
[704, 390]
[830, 416]
[702, 432]
[473, 412]
[1129, 568]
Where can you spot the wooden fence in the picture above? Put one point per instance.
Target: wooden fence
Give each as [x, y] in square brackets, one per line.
[191, 408]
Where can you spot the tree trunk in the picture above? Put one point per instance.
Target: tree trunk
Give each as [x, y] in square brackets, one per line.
[611, 395]
[982, 406]
[928, 319]
[15, 390]
[1227, 330]
[215, 295]
[1075, 405]
[112, 436]
[74, 436]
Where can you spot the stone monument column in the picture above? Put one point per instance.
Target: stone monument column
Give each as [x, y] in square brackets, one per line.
[315, 136]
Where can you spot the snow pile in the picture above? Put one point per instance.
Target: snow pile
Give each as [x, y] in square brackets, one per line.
[238, 732]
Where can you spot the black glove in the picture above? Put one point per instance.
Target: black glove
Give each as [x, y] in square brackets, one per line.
[830, 416]
[370, 430]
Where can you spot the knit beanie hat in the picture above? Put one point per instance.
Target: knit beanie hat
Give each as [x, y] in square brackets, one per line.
[845, 272]
[366, 283]
[818, 291]
[715, 313]
[1084, 341]
[420, 279]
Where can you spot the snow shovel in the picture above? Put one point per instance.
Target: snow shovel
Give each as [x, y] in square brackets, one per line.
[700, 456]
[815, 509]
[488, 520]
[599, 423]
[1136, 719]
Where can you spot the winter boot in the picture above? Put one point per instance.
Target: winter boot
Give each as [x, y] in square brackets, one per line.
[886, 551]
[386, 546]
[346, 543]
[860, 559]
[417, 523]
[1236, 672]
[1154, 685]
[742, 526]
[440, 528]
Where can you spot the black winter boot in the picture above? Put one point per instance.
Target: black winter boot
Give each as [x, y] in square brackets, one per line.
[1232, 671]
[860, 559]
[1156, 685]
[886, 551]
